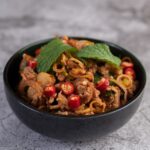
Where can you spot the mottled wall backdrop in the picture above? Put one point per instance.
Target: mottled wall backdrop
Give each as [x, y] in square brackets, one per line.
[125, 22]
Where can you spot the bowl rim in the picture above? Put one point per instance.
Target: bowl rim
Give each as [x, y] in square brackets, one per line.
[22, 102]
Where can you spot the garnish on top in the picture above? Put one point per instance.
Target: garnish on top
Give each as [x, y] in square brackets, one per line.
[51, 52]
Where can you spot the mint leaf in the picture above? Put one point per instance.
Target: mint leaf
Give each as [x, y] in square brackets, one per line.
[99, 52]
[50, 53]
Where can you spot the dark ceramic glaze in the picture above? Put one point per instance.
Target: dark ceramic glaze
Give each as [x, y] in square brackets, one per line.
[68, 127]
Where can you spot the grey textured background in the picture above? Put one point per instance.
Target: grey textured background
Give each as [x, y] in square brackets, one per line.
[125, 22]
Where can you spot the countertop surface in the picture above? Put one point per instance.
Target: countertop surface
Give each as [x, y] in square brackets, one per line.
[124, 22]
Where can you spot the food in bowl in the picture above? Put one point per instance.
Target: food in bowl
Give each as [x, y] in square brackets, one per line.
[76, 77]
[72, 127]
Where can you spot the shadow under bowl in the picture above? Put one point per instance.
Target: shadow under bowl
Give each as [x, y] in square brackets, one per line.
[69, 127]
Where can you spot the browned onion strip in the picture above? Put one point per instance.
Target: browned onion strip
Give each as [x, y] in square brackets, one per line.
[80, 64]
[56, 68]
[122, 87]
[99, 103]
[116, 102]
[128, 59]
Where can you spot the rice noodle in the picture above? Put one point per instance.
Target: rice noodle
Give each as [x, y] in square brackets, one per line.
[100, 106]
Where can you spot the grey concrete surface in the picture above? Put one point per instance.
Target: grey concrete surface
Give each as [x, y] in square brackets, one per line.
[125, 22]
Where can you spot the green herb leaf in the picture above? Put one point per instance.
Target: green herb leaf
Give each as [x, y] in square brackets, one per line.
[109, 93]
[99, 52]
[50, 53]
[97, 77]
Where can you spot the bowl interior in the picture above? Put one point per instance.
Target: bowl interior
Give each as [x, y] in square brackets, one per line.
[12, 77]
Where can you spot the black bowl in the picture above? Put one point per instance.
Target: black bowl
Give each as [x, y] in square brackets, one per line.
[68, 127]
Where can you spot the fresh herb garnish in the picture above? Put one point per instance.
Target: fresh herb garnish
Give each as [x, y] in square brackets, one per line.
[50, 53]
[108, 93]
[99, 52]
[97, 77]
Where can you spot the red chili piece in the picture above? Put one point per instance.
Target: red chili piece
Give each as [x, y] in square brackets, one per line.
[67, 88]
[49, 91]
[103, 84]
[37, 52]
[130, 72]
[32, 64]
[74, 101]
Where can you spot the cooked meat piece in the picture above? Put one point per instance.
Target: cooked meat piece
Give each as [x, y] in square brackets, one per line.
[132, 89]
[96, 93]
[71, 64]
[23, 86]
[65, 113]
[34, 93]
[58, 86]
[114, 99]
[60, 76]
[65, 39]
[50, 101]
[33, 90]
[84, 88]
[24, 61]
[79, 43]
[45, 79]
[76, 43]
[62, 101]
[28, 74]
[92, 66]
[104, 71]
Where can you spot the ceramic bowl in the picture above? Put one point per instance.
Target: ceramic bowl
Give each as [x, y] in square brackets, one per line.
[69, 127]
